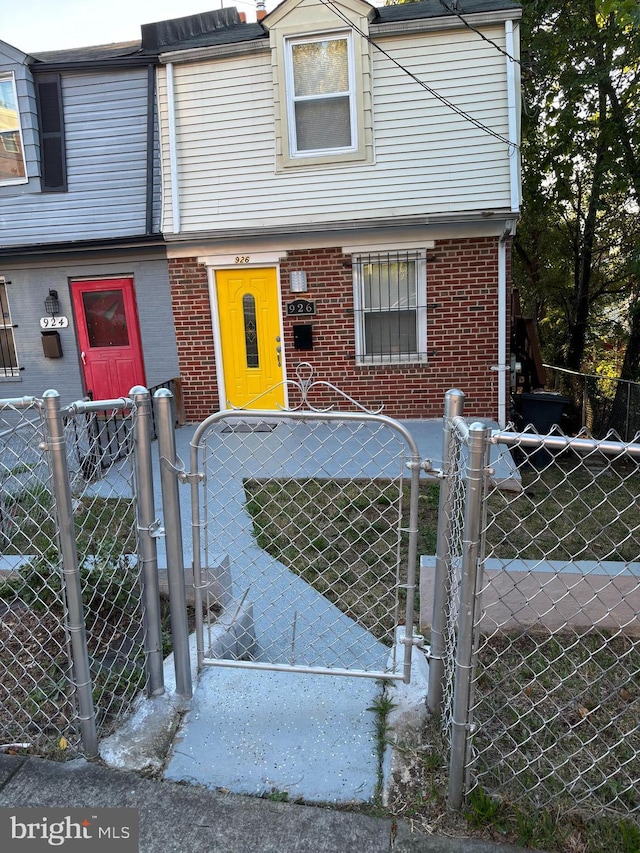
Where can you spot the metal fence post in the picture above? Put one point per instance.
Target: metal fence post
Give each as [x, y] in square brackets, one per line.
[478, 434]
[453, 407]
[57, 449]
[147, 550]
[165, 430]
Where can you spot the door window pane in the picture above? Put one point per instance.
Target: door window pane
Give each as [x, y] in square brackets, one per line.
[105, 318]
[250, 330]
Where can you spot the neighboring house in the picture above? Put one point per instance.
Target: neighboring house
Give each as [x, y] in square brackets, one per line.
[340, 187]
[84, 288]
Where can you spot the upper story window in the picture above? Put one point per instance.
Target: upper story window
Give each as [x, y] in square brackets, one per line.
[8, 359]
[390, 292]
[321, 95]
[12, 163]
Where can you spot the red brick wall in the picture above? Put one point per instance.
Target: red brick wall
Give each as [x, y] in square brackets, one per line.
[192, 317]
[462, 327]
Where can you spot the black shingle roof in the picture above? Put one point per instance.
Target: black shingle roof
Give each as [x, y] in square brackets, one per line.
[224, 27]
[438, 9]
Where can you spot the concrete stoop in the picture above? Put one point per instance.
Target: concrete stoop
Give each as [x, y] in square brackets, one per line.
[311, 736]
[144, 740]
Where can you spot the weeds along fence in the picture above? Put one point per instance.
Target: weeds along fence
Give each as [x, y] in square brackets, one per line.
[75, 648]
[536, 632]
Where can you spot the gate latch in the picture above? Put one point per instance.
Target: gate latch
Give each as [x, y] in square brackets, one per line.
[416, 640]
[155, 529]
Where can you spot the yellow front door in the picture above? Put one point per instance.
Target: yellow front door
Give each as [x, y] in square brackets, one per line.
[250, 338]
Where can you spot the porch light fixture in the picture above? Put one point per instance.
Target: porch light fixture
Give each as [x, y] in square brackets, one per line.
[52, 304]
[298, 281]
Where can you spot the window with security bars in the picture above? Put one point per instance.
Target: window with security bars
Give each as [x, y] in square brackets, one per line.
[390, 307]
[8, 360]
[321, 95]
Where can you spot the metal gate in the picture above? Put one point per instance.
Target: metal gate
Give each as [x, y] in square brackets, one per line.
[305, 530]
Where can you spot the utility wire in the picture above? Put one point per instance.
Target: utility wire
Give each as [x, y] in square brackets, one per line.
[455, 12]
[444, 100]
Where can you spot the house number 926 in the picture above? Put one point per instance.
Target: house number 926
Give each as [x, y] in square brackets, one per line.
[243, 259]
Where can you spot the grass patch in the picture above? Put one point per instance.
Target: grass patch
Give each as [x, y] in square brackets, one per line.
[345, 538]
[564, 708]
[36, 692]
[29, 526]
[419, 793]
[566, 513]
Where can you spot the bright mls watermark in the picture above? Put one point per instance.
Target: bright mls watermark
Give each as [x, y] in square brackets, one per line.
[34, 830]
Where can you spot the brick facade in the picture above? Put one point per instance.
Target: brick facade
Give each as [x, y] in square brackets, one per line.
[462, 332]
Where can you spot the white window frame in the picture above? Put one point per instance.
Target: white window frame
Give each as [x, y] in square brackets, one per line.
[21, 179]
[420, 355]
[292, 100]
[6, 325]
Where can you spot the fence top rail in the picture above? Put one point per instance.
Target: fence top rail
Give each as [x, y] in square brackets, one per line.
[19, 403]
[563, 442]
[304, 415]
[81, 407]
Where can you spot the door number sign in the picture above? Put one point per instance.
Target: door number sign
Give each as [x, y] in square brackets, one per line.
[301, 308]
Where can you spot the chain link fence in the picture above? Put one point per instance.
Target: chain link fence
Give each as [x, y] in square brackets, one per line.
[599, 403]
[42, 672]
[307, 519]
[548, 653]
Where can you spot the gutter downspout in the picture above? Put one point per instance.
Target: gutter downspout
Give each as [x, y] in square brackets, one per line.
[512, 113]
[502, 367]
[151, 100]
[173, 153]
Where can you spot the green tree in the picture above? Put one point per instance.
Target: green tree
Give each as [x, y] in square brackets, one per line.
[579, 228]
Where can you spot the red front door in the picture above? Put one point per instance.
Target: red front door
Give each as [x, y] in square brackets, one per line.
[108, 336]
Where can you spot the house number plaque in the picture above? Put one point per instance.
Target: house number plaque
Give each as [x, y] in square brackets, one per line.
[54, 322]
[301, 308]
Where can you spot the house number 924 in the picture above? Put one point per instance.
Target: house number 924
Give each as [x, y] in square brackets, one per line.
[243, 259]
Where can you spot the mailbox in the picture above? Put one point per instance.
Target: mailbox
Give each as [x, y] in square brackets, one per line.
[51, 344]
[303, 336]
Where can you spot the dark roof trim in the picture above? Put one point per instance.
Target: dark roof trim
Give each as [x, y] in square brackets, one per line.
[77, 246]
[93, 64]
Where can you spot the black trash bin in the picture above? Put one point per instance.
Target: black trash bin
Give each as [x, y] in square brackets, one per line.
[543, 410]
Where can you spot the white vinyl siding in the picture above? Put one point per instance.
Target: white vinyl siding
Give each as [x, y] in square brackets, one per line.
[428, 159]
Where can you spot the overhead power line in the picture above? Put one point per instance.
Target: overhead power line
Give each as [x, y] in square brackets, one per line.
[501, 50]
[444, 100]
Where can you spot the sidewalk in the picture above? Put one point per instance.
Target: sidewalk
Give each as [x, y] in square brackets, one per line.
[188, 819]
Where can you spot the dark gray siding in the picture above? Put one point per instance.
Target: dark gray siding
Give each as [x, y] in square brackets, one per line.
[105, 114]
[13, 60]
[27, 293]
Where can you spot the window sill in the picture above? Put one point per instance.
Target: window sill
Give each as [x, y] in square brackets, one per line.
[391, 362]
[286, 163]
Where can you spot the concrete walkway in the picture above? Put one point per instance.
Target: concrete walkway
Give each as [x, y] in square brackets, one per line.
[254, 731]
